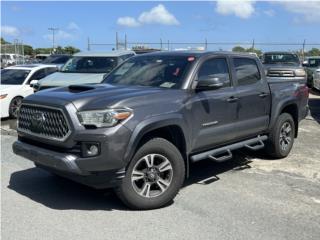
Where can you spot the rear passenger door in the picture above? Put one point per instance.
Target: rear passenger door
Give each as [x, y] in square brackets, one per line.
[253, 96]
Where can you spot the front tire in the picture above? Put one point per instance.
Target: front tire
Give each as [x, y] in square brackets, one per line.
[154, 176]
[281, 138]
[14, 107]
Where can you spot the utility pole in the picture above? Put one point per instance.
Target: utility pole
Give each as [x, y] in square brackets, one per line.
[303, 48]
[206, 44]
[117, 41]
[253, 44]
[125, 41]
[53, 29]
[88, 44]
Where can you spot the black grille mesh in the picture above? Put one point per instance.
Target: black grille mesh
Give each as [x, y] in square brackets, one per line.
[280, 73]
[42, 121]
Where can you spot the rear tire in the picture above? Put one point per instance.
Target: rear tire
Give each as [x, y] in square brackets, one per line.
[153, 177]
[281, 138]
[14, 107]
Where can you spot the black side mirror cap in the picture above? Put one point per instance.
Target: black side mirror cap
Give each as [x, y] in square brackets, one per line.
[209, 83]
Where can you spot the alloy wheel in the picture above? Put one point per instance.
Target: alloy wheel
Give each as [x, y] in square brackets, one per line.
[152, 175]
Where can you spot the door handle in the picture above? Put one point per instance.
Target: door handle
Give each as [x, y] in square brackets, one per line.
[263, 94]
[232, 99]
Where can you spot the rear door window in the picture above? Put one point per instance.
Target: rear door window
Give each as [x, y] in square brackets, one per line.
[247, 71]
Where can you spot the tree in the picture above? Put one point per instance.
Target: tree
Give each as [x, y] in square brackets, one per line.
[70, 50]
[254, 50]
[4, 41]
[313, 52]
[238, 49]
[42, 50]
[28, 50]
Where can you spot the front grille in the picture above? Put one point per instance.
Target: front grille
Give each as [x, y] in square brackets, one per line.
[281, 73]
[46, 122]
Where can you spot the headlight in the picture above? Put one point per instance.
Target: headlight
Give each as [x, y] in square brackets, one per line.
[300, 73]
[3, 96]
[103, 118]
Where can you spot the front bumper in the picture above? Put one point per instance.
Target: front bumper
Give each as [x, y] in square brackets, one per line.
[67, 165]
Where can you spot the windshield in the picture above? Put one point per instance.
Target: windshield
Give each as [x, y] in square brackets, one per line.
[155, 71]
[56, 59]
[90, 65]
[281, 58]
[314, 62]
[13, 76]
[5, 57]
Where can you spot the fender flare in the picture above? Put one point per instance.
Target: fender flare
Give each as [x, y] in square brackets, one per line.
[279, 107]
[151, 124]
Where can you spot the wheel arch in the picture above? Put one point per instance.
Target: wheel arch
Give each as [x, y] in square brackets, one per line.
[170, 128]
[289, 106]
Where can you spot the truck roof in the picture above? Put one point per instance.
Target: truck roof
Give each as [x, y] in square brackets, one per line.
[279, 52]
[197, 53]
[103, 54]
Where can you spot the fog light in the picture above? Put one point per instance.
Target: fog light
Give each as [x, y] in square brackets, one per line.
[90, 149]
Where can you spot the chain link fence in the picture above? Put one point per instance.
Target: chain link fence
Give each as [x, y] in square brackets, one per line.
[12, 54]
[299, 48]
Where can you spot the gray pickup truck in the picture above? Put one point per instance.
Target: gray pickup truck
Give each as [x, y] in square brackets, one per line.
[140, 129]
[284, 65]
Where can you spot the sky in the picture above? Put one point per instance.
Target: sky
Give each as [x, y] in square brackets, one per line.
[216, 21]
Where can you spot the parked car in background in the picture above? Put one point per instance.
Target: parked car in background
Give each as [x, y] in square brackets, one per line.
[312, 66]
[41, 56]
[57, 59]
[85, 68]
[8, 59]
[16, 84]
[283, 66]
[153, 116]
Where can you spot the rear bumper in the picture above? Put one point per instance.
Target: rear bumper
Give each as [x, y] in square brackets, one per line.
[66, 164]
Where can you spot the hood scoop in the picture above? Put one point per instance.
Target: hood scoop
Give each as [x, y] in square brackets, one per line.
[80, 88]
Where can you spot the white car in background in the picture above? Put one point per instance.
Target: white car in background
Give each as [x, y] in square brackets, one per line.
[16, 84]
[85, 68]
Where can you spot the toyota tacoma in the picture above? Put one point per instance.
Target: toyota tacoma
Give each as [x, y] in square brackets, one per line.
[139, 130]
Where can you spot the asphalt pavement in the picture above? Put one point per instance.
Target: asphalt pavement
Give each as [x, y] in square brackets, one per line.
[248, 197]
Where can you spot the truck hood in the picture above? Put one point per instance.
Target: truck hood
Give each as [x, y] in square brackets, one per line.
[281, 66]
[65, 79]
[101, 96]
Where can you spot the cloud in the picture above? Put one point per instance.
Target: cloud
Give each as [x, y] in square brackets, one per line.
[73, 26]
[70, 32]
[160, 15]
[241, 9]
[308, 11]
[157, 15]
[128, 22]
[269, 12]
[15, 8]
[59, 35]
[10, 31]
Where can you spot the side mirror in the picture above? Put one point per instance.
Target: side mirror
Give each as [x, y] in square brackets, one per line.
[305, 63]
[210, 82]
[33, 83]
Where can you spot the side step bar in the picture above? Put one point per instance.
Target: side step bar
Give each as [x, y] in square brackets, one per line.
[224, 153]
